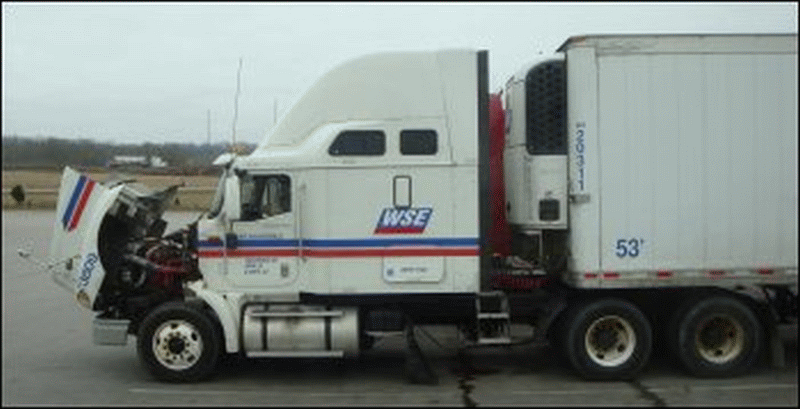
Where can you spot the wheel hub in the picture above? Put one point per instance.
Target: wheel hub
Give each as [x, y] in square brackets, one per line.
[713, 335]
[605, 338]
[177, 344]
[610, 341]
[720, 339]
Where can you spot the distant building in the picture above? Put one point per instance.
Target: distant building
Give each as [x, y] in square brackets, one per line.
[136, 161]
[157, 162]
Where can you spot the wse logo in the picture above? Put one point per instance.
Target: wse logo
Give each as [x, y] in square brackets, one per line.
[403, 220]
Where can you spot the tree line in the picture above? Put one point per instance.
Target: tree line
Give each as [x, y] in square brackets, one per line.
[50, 152]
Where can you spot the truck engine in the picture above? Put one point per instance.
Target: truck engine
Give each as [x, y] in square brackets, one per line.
[143, 266]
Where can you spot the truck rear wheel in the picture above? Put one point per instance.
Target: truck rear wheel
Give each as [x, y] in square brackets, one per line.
[717, 337]
[179, 343]
[607, 339]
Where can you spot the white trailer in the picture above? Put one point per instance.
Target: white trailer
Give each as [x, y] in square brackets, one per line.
[651, 194]
[681, 156]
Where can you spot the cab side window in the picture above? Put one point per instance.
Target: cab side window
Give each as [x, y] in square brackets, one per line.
[358, 143]
[265, 196]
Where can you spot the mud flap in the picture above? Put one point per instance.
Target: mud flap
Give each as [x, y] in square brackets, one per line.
[418, 369]
[777, 351]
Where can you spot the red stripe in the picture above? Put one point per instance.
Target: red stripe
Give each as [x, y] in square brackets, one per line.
[398, 230]
[388, 252]
[76, 218]
[209, 253]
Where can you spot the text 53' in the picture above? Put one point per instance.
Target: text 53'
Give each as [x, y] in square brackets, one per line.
[629, 247]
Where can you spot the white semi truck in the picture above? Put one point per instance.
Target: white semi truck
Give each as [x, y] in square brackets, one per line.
[629, 193]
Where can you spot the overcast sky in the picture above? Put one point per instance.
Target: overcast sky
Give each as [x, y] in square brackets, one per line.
[150, 72]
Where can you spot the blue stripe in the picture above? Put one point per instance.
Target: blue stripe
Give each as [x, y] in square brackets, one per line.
[74, 200]
[323, 243]
[388, 242]
[268, 242]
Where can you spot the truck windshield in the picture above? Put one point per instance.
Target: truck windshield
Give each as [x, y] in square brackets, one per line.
[216, 201]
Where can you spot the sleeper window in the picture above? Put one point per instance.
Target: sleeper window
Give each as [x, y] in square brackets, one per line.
[418, 142]
[359, 143]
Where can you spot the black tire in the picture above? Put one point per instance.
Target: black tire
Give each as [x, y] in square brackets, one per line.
[607, 339]
[190, 340]
[673, 325]
[718, 336]
[556, 333]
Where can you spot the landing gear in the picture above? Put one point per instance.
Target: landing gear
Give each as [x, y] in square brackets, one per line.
[418, 369]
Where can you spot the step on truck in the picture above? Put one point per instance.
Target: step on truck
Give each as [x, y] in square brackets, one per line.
[627, 194]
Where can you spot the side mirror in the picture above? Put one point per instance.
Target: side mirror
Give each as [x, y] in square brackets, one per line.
[227, 225]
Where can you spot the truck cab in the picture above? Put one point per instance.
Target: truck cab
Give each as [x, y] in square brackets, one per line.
[357, 213]
[356, 204]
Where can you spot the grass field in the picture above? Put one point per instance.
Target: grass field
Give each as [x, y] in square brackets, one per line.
[33, 181]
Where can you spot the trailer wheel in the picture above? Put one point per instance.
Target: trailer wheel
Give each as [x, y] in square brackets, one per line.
[179, 343]
[607, 339]
[718, 337]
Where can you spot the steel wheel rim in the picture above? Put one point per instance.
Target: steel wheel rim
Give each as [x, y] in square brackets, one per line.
[177, 344]
[719, 339]
[610, 341]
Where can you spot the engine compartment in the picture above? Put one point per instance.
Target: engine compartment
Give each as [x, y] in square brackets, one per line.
[144, 267]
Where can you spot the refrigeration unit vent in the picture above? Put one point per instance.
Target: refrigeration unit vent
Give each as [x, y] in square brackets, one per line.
[546, 109]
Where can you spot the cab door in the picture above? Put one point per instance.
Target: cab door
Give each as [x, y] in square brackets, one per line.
[418, 223]
[261, 247]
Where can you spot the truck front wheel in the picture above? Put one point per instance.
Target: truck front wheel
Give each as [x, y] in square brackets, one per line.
[179, 343]
[717, 337]
[607, 339]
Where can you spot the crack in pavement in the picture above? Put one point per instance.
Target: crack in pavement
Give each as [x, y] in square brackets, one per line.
[466, 389]
[466, 371]
[646, 393]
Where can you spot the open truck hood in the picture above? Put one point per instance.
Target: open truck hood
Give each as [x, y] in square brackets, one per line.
[80, 254]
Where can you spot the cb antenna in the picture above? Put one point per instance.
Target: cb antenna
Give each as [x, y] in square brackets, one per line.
[236, 107]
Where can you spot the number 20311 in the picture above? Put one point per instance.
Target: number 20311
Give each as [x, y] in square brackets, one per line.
[629, 247]
[580, 153]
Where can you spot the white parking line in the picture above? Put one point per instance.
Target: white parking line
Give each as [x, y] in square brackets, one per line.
[726, 387]
[402, 393]
[574, 392]
[662, 389]
[187, 392]
[257, 392]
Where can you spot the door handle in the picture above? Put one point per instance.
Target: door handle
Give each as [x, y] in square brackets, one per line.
[401, 191]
